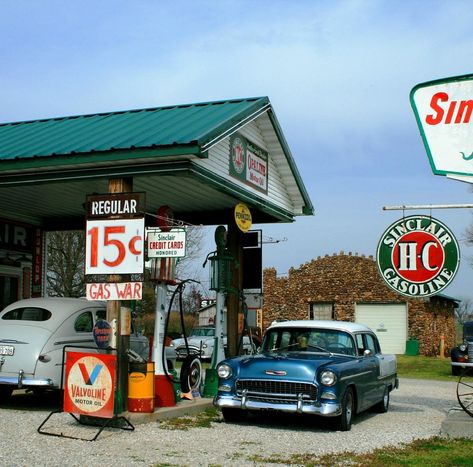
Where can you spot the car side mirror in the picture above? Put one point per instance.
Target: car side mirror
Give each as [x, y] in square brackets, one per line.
[367, 353]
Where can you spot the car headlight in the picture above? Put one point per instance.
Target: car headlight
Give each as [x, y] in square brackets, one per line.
[462, 347]
[224, 371]
[328, 378]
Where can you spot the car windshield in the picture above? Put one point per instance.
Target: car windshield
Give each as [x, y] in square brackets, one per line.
[468, 331]
[308, 339]
[203, 332]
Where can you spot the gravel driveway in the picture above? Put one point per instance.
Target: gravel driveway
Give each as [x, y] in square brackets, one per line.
[417, 411]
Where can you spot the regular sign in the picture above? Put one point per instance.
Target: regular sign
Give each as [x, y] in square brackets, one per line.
[444, 114]
[418, 256]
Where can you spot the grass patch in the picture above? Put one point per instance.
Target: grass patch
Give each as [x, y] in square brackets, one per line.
[424, 368]
[201, 420]
[434, 451]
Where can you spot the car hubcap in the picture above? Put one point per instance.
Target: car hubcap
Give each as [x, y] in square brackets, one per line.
[349, 408]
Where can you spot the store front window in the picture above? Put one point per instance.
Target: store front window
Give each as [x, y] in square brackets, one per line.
[9, 290]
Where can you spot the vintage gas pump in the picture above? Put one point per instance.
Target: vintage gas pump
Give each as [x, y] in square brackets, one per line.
[163, 273]
[221, 271]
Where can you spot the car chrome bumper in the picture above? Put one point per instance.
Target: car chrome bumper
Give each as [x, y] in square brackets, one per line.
[21, 381]
[299, 406]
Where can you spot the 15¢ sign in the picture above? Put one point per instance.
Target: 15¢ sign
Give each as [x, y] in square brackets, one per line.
[115, 246]
[418, 256]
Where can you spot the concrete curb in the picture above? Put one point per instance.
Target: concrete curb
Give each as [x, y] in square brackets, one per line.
[457, 424]
[181, 409]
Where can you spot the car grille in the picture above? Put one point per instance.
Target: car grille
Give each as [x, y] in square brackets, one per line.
[470, 351]
[182, 351]
[276, 391]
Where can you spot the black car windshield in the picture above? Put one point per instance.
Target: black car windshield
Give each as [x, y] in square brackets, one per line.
[308, 339]
[468, 331]
[203, 332]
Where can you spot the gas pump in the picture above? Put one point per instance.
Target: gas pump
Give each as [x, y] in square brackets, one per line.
[221, 271]
[163, 273]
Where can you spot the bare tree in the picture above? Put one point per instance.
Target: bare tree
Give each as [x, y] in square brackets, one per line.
[66, 261]
[65, 264]
[187, 268]
[464, 312]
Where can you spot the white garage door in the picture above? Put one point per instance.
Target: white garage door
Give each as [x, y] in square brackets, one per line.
[388, 321]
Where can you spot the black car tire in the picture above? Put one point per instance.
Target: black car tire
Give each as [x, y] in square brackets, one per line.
[456, 370]
[383, 405]
[234, 415]
[343, 422]
[5, 393]
[191, 373]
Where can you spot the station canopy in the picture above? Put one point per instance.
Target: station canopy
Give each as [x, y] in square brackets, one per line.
[178, 156]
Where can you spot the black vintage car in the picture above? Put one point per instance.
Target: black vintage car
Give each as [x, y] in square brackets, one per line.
[463, 353]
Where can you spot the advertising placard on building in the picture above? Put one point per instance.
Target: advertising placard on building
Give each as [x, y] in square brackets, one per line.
[248, 162]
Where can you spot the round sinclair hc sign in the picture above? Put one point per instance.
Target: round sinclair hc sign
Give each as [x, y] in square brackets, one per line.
[418, 256]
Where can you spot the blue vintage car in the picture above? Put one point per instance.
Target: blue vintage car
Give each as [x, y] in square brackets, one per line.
[327, 368]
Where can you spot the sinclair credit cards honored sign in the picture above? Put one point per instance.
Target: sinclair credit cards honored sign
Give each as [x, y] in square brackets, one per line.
[444, 114]
[248, 163]
[169, 244]
[418, 256]
[90, 383]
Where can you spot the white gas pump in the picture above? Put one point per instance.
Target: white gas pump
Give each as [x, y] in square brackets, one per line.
[219, 349]
[163, 272]
[160, 365]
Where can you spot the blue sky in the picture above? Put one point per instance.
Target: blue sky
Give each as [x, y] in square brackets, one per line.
[338, 74]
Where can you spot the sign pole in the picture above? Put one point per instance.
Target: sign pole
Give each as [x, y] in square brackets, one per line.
[120, 185]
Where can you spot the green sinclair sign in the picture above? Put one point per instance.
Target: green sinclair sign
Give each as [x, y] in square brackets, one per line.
[418, 256]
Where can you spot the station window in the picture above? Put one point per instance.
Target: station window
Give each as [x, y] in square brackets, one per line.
[318, 310]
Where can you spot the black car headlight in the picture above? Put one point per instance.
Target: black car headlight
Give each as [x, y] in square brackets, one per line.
[463, 347]
[328, 378]
[224, 371]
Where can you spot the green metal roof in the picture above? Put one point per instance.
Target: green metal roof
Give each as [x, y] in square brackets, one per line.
[180, 125]
[138, 142]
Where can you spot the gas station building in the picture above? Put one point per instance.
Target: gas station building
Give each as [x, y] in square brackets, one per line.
[200, 159]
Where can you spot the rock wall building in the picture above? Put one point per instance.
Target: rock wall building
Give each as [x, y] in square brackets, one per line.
[348, 287]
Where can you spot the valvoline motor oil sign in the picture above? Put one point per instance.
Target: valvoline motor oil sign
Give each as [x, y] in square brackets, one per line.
[90, 384]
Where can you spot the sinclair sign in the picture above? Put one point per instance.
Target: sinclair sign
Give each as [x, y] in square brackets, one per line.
[418, 256]
[444, 114]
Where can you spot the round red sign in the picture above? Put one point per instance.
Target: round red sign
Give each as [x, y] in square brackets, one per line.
[418, 256]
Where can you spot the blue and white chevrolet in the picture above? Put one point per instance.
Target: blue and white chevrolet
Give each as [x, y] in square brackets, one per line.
[326, 368]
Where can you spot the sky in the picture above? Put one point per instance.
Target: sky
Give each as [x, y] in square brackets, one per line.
[337, 72]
